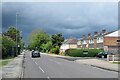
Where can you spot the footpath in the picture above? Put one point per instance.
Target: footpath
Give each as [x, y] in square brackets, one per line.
[14, 68]
[95, 62]
[100, 64]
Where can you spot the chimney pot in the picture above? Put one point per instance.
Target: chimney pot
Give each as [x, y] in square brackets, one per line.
[83, 36]
[95, 33]
[103, 31]
[88, 34]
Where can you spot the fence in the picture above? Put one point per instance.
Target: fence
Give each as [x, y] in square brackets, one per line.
[113, 58]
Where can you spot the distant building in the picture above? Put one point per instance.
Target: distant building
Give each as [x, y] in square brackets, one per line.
[71, 43]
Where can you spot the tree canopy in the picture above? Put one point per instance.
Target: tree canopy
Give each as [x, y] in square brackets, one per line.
[57, 39]
[37, 38]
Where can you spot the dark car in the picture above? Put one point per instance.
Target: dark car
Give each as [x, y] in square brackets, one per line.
[104, 54]
[35, 54]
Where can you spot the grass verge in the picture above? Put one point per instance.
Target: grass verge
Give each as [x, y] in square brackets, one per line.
[8, 58]
[116, 62]
[2, 63]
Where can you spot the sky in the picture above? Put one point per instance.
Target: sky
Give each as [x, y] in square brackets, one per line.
[72, 19]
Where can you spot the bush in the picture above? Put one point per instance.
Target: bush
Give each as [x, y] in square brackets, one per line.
[7, 44]
[79, 52]
[55, 50]
[66, 51]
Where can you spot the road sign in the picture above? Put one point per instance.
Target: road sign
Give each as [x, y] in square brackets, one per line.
[18, 45]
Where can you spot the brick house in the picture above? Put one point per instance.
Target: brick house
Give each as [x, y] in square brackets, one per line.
[71, 43]
[98, 41]
[111, 42]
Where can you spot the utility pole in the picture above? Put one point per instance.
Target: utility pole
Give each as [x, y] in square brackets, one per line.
[17, 13]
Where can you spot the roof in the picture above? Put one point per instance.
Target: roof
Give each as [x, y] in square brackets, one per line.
[70, 41]
[114, 34]
[98, 35]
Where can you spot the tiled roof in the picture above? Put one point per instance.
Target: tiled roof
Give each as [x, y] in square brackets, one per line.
[70, 41]
[98, 35]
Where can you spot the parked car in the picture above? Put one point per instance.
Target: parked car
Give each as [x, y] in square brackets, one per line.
[35, 54]
[104, 54]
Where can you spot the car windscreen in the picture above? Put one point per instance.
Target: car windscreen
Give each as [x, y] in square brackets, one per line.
[36, 51]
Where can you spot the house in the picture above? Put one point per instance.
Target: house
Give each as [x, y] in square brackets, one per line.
[99, 41]
[71, 43]
[111, 42]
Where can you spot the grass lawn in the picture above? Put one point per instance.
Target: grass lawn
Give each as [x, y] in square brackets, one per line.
[116, 62]
[8, 58]
[105, 60]
[2, 63]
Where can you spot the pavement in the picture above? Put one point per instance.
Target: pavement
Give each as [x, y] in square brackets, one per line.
[55, 66]
[14, 68]
[100, 64]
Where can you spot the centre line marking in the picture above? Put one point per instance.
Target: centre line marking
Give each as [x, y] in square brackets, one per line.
[36, 63]
[41, 69]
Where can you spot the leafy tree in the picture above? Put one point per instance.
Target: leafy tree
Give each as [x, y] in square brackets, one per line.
[7, 44]
[11, 32]
[55, 50]
[43, 47]
[57, 39]
[37, 38]
[48, 46]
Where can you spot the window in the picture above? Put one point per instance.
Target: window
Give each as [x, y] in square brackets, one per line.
[118, 41]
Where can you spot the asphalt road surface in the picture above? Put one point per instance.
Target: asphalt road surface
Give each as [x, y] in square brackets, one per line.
[54, 67]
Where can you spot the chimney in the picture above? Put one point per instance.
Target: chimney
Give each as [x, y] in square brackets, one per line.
[95, 33]
[103, 31]
[88, 34]
[83, 36]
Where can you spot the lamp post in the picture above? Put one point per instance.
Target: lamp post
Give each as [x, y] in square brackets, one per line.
[17, 13]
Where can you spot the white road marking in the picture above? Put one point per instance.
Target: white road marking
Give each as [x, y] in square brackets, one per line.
[48, 78]
[41, 69]
[36, 63]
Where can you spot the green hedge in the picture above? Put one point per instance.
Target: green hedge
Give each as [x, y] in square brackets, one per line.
[79, 52]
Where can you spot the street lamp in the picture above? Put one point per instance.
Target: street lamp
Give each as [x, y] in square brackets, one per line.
[17, 13]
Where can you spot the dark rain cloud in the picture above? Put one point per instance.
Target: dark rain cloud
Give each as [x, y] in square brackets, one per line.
[71, 19]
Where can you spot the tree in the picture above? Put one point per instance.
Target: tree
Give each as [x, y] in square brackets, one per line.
[11, 32]
[7, 44]
[48, 46]
[57, 39]
[37, 38]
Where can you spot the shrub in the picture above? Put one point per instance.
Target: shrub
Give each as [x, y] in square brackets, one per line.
[66, 51]
[7, 44]
[55, 50]
[79, 52]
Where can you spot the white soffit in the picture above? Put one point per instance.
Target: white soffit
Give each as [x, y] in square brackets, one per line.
[114, 34]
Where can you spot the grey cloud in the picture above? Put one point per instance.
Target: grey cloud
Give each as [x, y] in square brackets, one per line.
[72, 19]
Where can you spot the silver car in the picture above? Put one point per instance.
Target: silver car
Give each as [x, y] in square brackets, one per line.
[35, 54]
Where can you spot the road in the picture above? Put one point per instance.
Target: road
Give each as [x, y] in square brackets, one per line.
[56, 67]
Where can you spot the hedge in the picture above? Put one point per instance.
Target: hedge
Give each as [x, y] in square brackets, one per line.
[79, 52]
